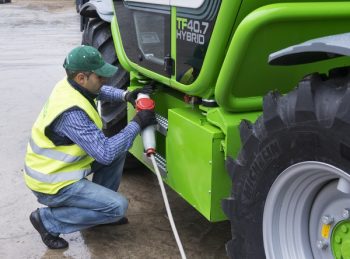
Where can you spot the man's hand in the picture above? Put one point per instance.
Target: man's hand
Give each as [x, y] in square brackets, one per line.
[132, 96]
[145, 118]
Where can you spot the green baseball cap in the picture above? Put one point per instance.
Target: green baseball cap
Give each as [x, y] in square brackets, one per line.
[89, 59]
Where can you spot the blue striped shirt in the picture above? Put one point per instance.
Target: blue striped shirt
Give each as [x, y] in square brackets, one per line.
[79, 128]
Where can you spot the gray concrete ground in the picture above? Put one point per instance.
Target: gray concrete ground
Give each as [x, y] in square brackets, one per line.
[35, 36]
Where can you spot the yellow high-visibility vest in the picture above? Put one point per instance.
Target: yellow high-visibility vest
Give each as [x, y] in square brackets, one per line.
[48, 167]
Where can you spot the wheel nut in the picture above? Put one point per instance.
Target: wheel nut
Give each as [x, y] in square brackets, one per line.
[327, 220]
[322, 244]
[346, 214]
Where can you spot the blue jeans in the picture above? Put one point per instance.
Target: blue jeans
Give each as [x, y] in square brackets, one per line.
[84, 204]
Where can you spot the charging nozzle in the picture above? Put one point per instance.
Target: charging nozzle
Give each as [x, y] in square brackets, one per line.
[144, 102]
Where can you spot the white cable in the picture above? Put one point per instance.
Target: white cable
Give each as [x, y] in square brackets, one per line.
[166, 202]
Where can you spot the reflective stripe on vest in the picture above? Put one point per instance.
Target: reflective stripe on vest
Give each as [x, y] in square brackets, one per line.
[57, 177]
[54, 154]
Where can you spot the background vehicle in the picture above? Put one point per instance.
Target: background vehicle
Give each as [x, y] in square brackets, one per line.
[275, 166]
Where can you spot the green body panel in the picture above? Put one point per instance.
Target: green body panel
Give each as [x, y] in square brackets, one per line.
[195, 161]
[229, 124]
[195, 149]
[245, 74]
[249, 6]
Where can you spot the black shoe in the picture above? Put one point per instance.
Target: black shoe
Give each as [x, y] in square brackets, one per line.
[49, 240]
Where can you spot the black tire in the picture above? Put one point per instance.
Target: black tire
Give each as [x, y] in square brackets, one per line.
[311, 123]
[83, 19]
[97, 33]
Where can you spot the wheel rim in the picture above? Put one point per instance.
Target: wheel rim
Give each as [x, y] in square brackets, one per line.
[297, 207]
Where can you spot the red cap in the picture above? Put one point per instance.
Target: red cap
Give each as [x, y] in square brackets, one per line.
[145, 104]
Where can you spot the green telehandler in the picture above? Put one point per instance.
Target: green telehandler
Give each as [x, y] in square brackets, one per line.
[253, 104]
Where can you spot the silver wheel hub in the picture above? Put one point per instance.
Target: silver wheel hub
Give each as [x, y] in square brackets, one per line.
[303, 205]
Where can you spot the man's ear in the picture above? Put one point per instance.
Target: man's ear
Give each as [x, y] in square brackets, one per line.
[80, 78]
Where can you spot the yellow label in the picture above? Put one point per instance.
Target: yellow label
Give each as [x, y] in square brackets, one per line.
[325, 230]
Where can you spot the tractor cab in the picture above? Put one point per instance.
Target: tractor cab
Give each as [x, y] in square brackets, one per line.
[168, 40]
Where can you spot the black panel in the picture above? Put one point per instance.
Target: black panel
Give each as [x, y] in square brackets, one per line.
[145, 32]
[193, 29]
